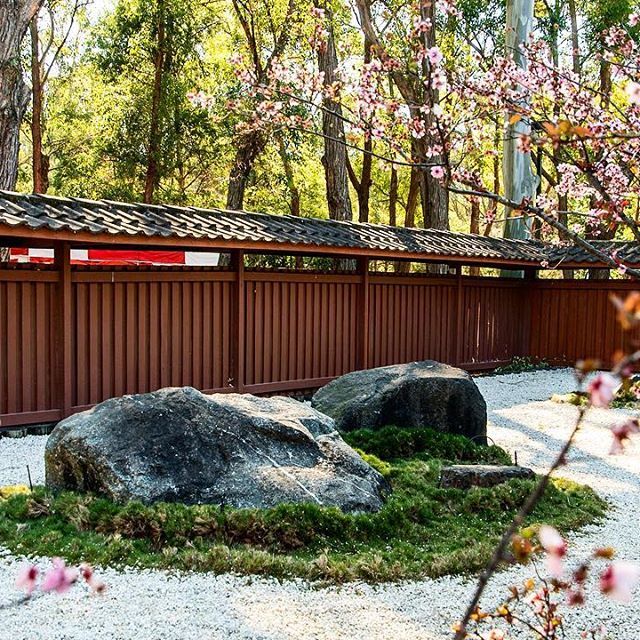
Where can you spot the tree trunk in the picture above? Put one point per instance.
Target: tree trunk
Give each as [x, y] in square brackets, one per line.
[603, 234]
[153, 150]
[334, 158]
[364, 189]
[39, 161]
[393, 197]
[519, 180]
[250, 146]
[474, 227]
[605, 83]
[15, 17]
[365, 183]
[575, 40]
[412, 198]
[410, 211]
[555, 52]
[294, 193]
[435, 197]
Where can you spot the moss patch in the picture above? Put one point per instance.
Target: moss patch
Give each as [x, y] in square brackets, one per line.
[421, 531]
[392, 443]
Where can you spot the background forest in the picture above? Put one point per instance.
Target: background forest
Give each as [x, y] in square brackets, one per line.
[112, 113]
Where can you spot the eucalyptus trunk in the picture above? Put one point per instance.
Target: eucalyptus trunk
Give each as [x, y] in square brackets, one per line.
[575, 39]
[393, 196]
[294, 192]
[250, 147]
[334, 159]
[519, 179]
[152, 175]
[434, 195]
[15, 17]
[39, 160]
[520, 183]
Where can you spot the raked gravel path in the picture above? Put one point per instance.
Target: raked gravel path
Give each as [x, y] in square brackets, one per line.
[154, 605]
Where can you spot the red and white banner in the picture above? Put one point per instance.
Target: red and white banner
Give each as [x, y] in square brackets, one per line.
[119, 257]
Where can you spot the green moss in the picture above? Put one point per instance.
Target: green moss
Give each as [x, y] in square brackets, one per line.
[421, 531]
[391, 443]
[382, 467]
[575, 398]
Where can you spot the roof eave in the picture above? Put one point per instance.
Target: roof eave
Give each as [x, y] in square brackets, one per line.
[20, 235]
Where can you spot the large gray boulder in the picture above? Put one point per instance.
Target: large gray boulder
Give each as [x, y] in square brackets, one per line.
[417, 394]
[178, 445]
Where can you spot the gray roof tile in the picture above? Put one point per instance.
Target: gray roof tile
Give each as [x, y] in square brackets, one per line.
[130, 220]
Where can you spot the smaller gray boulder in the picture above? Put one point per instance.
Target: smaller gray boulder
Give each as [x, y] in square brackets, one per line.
[179, 445]
[463, 476]
[417, 394]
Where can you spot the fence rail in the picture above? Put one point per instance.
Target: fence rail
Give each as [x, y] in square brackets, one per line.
[71, 338]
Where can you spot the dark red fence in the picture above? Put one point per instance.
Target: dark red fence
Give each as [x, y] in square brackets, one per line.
[73, 337]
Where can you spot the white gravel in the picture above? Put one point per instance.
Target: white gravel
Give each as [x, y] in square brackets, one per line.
[154, 605]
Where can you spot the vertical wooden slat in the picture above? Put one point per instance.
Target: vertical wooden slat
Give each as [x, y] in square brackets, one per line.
[364, 290]
[155, 358]
[239, 323]
[207, 341]
[64, 337]
[459, 317]
[27, 344]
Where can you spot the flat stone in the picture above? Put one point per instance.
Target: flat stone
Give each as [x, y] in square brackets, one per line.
[465, 476]
[15, 433]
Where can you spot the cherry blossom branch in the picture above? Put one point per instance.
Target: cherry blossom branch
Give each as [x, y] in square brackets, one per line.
[500, 552]
[399, 163]
[550, 220]
[598, 398]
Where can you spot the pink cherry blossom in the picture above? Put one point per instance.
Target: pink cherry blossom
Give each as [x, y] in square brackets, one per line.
[27, 578]
[434, 55]
[619, 580]
[437, 172]
[524, 143]
[96, 584]
[633, 91]
[439, 81]
[621, 432]
[601, 389]
[59, 578]
[555, 547]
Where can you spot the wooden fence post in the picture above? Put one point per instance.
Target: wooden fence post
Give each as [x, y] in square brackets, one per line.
[363, 308]
[62, 254]
[530, 280]
[239, 322]
[459, 316]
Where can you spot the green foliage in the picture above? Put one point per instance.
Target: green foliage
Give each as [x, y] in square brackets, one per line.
[382, 467]
[603, 14]
[574, 398]
[520, 364]
[422, 530]
[391, 443]
[625, 398]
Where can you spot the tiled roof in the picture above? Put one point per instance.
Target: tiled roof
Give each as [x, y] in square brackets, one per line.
[626, 252]
[132, 223]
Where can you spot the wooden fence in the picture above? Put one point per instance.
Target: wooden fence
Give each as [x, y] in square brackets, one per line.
[70, 338]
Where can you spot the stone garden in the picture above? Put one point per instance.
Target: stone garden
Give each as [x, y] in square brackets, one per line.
[187, 489]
